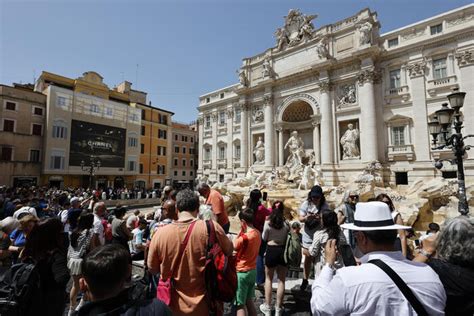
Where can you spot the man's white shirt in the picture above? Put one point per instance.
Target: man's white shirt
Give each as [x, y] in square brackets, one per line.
[368, 290]
[99, 229]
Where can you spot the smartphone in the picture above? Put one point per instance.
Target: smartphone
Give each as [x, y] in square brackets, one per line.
[417, 242]
[264, 196]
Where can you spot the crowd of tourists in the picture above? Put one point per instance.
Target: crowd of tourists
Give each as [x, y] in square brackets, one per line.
[363, 258]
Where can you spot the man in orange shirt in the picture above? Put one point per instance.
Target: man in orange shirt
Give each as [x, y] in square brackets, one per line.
[216, 201]
[189, 292]
[247, 246]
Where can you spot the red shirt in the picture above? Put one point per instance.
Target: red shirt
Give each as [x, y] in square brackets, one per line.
[259, 220]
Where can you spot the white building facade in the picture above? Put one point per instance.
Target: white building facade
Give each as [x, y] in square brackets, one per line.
[322, 82]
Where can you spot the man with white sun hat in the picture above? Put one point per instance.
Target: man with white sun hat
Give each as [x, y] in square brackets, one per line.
[385, 283]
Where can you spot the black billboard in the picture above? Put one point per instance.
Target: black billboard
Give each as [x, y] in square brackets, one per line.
[105, 143]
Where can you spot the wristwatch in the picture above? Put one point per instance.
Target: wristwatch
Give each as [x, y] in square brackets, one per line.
[425, 253]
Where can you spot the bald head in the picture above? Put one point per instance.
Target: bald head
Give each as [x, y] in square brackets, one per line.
[169, 210]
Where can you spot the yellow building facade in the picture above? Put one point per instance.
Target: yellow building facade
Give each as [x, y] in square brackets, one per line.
[155, 144]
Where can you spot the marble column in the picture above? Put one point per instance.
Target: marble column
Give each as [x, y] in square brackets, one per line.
[316, 140]
[368, 115]
[215, 149]
[201, 142]
[230, 145]
[269, 130]
[327, 146]
[421, 139]
[244, 135]
[281, 153]
[465, 62]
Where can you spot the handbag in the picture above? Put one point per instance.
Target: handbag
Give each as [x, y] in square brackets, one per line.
[406, 291]
[164, 288]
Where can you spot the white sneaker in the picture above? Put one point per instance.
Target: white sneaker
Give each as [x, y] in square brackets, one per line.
[279, 311]
[265, 309]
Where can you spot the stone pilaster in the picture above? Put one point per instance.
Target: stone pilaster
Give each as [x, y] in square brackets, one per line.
[316, 139]
[215, 149]
[281, 154]
[201, 143]
[465, 61]
[421, 138]
[244, 133]
[230, 145]
[269, 130]
[368, 120]
[327, 128]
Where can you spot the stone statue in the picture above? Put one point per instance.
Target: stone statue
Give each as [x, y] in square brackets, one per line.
[261, 180]
[307, 178]
[322, 48]
[267, 70]
[259, 151]
[372, 174]
[243, 77]
[365, 30]
[296, 147]
[298, 28]
[249, 178]
[282, 38]
[348, 142]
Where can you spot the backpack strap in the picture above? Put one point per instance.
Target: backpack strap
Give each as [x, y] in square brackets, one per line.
[406, 291]
[182, 247]
[211, 232]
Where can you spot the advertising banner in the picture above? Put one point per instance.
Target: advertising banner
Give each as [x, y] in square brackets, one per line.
[105, 143]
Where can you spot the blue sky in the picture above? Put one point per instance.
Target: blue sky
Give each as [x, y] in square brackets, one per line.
[183, 48]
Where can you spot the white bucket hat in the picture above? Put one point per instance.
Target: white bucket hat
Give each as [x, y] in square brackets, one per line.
[373, 216]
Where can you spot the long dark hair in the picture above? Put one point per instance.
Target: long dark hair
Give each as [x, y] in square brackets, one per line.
[322, 200]
[383, 196]
[254, 200]
[330, 224]
[277, 218]
[45, 237]
[85, 221]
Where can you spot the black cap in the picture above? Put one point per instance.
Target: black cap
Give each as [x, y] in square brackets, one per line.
[316, 192]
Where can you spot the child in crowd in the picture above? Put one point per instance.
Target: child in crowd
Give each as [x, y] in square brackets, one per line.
[247, 245]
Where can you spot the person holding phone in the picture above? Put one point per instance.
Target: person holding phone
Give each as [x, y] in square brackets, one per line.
[310, 215]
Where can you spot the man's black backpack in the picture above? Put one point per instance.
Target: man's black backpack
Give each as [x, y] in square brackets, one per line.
[19, 290]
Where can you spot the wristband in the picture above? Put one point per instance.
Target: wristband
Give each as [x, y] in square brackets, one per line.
[425, 253]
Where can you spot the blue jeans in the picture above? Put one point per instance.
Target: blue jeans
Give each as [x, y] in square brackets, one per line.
[260, 263]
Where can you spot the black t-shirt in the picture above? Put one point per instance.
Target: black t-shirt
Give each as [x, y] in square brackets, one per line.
[459, 285]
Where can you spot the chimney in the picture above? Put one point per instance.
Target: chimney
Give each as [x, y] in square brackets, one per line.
[124, 87]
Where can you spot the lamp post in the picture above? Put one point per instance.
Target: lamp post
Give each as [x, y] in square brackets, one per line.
[93, 166]
[445, 120]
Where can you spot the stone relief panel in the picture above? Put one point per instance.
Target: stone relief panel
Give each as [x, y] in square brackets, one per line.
[258, 115]
[349, 142]
[346, 95]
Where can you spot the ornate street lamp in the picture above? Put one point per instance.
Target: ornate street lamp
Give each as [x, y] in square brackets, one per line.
[93, 166]
[445, 119]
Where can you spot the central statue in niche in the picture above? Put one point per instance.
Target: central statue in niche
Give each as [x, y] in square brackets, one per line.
[296, 146]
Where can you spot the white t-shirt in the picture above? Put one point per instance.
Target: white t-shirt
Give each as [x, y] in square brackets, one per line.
[63, 217]
[99, 229]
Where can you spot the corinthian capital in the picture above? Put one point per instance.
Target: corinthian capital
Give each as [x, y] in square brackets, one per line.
[465, 58]
[230, 113]
[368, 75]
[416, 69]
[244, 106]
[325, 86]
[214, 116]
[267, 100]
